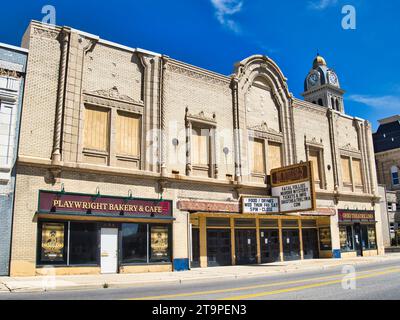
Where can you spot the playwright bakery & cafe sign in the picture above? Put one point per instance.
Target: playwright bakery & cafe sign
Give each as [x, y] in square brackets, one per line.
[294, 187]
[98, 205]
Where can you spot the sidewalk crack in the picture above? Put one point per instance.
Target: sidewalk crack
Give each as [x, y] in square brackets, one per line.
[9, 289]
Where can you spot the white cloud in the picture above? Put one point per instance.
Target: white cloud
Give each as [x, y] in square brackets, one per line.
[225, 9]
[321, 4]
[382, 102]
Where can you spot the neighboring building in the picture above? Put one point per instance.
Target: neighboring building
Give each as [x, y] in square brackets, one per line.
[137, 162]
[387, 155]
[12, 74]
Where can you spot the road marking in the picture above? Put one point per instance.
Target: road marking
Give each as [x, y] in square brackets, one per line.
[274, 284]
[309, 286]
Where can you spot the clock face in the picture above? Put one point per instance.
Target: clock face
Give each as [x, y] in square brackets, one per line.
[333, 78]
[313, 79]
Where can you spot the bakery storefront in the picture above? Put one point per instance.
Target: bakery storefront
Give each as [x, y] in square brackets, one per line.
[357, 230]
[103, 234]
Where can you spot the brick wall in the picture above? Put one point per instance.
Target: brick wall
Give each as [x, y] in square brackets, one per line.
[94, 67]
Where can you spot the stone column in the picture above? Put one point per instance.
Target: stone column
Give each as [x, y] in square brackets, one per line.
[163, 95]
[236, 128]
[56, 154]
[332, 137]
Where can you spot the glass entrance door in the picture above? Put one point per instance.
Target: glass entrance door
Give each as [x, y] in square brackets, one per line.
[310, 244]
[219, 247]
[195, 248]
[269, 245]
[246, 247]
[291, 244]
[357, 239]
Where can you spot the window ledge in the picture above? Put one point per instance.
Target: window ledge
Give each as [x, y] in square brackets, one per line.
[95, 152]
[145, 264]
[128, 157]
[5, 169]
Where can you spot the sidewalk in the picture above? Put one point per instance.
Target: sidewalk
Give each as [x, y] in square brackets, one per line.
[35, 284]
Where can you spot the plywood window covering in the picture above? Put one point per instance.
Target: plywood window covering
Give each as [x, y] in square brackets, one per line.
[128, 134]
[314, 157]
[346, 175]
[96, 131]
[257, 152]
[357, 172]
[200, 146]
[274, 155]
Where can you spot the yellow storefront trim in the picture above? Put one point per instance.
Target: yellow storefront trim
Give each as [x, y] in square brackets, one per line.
[201, 217]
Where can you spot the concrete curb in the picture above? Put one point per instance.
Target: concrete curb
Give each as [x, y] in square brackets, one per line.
[177, 280]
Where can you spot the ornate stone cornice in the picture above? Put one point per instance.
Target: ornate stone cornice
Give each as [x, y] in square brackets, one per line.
[310, 107]
[197, 73]
[10, 73]
[349, 150]
[264, 132]
[113, 94]
[46, 33]
[107, 102]
[313, 142]
[201, 117]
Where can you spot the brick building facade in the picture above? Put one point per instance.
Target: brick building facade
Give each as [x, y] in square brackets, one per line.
[12, 74]
[387, 156]
[110, 122]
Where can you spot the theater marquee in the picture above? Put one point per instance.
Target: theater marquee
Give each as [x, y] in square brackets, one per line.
[295, 188]
[260, 205]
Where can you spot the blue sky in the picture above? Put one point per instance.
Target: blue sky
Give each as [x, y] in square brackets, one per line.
[214, 34]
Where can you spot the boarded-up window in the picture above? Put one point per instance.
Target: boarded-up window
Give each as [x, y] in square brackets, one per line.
[274, 155]
[200, 146]
[346, 175]
[357, 172]
[314, 157]
[257, 154]
[128, 134]
[96, 129]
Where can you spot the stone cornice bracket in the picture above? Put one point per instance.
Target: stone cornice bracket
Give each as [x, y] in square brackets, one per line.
[54, 175]
[162, 185]
[56, 156]
[91, 43]
[336, 196]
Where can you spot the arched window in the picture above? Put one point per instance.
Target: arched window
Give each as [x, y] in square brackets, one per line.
[333, 103]
[320, 102]
[395, 176]
[337, 105]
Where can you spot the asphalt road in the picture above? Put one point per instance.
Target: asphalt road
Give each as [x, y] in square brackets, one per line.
[378, 281]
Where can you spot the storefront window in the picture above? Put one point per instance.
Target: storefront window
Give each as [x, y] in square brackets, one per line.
[52, 243]
[134, 243]
[368, 237]
[325, 239]
[159, 244]
[83, 247]
[364, 237]
[346, 238]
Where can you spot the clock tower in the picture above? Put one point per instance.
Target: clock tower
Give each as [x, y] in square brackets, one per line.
[322, 86]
